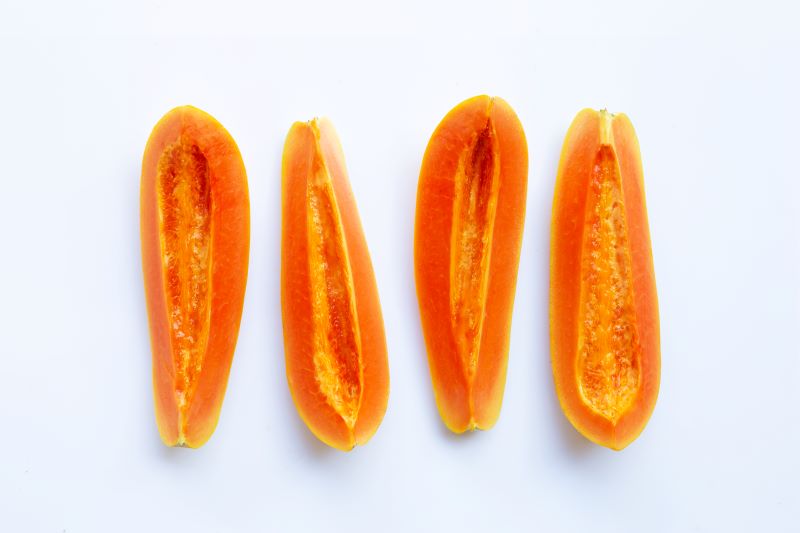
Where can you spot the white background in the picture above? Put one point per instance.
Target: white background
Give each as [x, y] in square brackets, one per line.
[713, 92]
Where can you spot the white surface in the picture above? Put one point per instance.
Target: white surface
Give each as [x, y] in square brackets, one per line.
[712, 91]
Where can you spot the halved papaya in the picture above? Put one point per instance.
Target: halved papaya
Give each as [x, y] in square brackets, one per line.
[334, 341]
[468, 232]
[195, 233]
[604, 329]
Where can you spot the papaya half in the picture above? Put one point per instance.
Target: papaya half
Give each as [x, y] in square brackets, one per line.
[604, 328]
[468, 233]
[195, 236]
[334, 341]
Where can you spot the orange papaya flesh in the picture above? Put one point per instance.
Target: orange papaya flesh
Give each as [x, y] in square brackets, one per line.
[604, 325]
[334, 340]
[194, 224]
[468, 231]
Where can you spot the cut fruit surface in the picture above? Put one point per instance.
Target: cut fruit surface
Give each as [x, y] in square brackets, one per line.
[474, 207]
[603, 304]
[185, 211]
[336, 362]
[195, 243]
[468, 231]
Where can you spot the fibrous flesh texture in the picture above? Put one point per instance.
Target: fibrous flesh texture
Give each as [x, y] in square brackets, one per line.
[609, 353]
[336, 343]
[185, 213]
[474, 209]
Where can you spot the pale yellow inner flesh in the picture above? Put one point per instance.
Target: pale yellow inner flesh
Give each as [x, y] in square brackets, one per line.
[336, 338]
[609, 353]
[184, 199]
[474, 209]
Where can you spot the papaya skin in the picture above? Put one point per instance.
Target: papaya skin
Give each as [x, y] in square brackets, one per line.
[468, 233]
[604, 327]
[195, 236]
[334, 340]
